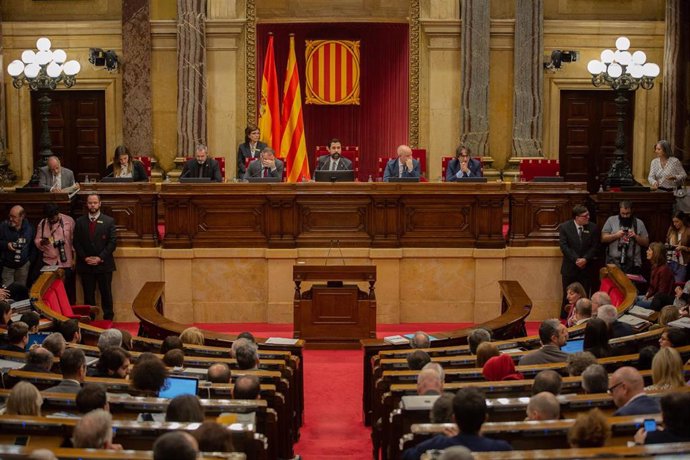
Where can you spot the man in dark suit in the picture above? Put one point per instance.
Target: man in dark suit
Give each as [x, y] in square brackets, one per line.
[17, 337]
[38, 359]
[334, 161]
[73, 365]
[56, 178]
[202, 166]
[469, 409]
[626, 387]
[94, 242]
[579, 239]
[403, 166]
[463, 165]
[266, 166]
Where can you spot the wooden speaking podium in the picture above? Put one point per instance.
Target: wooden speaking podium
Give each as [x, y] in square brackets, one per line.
[334, 315]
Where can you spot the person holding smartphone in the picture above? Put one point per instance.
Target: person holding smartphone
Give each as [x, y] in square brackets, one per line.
[675, 414]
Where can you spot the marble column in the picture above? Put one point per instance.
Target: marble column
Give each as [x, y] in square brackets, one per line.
[528, 78]
[191, 75]
[474, 117]
[137, 111]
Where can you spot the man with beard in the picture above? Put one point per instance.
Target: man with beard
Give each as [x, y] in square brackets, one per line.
[625, 235]
[334, 161]
[94, 242]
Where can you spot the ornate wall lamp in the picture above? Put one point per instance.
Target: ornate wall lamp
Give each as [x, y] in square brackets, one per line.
[624, 72]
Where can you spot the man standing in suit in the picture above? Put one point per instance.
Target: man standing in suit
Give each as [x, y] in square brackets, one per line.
[73, 365]
[202, 165]
[334, 161]
[267, 165]
[463, 165]
[403, 166]
[578, 239]
[94, 242]
[56, 178]
[626, 387]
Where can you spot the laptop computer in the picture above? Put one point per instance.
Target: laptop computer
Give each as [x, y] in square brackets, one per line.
[36, 338]
[194, 180]
[403, 179]
[117, 179]
[417, 402]
[264, 179]
[176, 386]
[323, 175]
[573, 346]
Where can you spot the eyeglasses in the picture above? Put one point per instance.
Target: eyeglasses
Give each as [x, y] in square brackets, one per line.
[584, 215]
[610, 390]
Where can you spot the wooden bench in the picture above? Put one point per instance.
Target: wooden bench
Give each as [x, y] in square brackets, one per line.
[65, 453]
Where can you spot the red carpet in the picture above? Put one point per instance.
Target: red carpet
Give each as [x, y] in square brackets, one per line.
[333, 422]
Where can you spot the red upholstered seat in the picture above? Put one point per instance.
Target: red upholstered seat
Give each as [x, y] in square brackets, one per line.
[56, 298]
[531, 168]
[420, 155]
[351, 152]
[51, 299]
[612, 290]
[221, 165]
[146, 161]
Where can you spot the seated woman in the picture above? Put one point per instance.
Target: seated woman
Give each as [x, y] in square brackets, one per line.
[113, 363]
[574, 292]
[185, 409]
[661, 281]
[597, 338]
[501, 367]
[678, 238]
[591, 429]
[486, 351]
[147, 376]
[192, 336]
[666, 171]
[667, 314]
[125, 166]
[667, 370]
[24, 399]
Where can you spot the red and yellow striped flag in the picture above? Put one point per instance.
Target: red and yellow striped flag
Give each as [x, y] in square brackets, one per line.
[332, 72]
[269, 108]
[293, 146]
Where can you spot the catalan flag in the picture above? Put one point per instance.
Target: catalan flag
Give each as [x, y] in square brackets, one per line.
[332, 72]
[269, 110]
[293, 146]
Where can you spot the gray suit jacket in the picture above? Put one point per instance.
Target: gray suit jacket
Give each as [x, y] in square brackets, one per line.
[46, 177]
[256, 170]
[66, 386]
[546, 354]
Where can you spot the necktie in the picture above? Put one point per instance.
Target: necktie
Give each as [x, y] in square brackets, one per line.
[265, 173]
[579, 232]
[201, 170]
[92, 227]
[333, 165]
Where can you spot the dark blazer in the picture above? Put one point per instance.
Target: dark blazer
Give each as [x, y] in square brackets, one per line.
[639, 406]
[474, 443]
[573, 249]
[11, 347]
[102, 245]
[662, 437]
[255, 169]
[324, 163]
[34, 368]
[621, 329]
[393, 170]
[46, 177]
[453, 169]
[209, 168]
[66, 386]
[138, 171]
[244, 152]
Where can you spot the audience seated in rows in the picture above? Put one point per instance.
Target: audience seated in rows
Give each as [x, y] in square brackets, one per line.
[477, 336]
[543, 406]
[595, 379]
[417, 360]
[598, 299]
[24, 399]
[617, 329]
[579, 361]
[218, 373]
[501, 368]
[673, 337]
[486, 351]
[213, 437]
[420, 339]
[442, 409]
[469, 410]
[591, 429]
[627, 390]
[176, 444]
[667, 370]
[73, 365]
[109, 338]
[430, 380]
[583, 311]
[666, 315]
[55, 343]
[70, 330]
[171, 342]
[246, 353]
[38, 359]
[547, 380]
[17, 337]
[192, 336]
[596, 339]
[184, 409]
[553, 335]
[247, 386]
[675, 413]
[147, 376]
[31, 319]
[174, 358]
[92, 396]
[113, 363]
[95, 431]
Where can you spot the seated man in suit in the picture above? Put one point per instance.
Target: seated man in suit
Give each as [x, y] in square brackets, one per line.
[469, 412]
[403, 166]
[609, 314]
[334, 161]
[553, 335]
[627, 390]
[17, 337]
[38, 359]
[73, 365]
[202, 165]
[55, 177]
[463, 165]
[267, 165]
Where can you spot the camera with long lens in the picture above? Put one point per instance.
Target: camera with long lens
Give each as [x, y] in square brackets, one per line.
[60, 245]
[18, 246]
[623, 244]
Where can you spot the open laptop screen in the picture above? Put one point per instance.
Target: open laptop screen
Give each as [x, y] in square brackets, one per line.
[36, 338]
[573, 346]
[176, 386]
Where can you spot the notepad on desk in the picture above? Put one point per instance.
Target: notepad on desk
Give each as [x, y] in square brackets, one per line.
[396, 340]
[641, 311]
[281, 341]
[682, 322]
[634, 321]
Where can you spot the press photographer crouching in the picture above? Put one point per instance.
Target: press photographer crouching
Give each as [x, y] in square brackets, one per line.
[54, 237]
[16, 234]
[626, 237]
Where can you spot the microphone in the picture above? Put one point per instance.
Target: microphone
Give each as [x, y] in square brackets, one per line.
[185, 173]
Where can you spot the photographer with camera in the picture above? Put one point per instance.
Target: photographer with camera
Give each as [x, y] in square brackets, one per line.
[16, 234]
[54, 236]
[625, 235]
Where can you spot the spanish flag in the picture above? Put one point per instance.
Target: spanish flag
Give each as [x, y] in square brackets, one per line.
[269, 110]
[293, 146]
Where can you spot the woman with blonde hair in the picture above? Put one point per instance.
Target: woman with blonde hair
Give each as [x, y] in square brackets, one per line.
[24, 399]
[125, 166]
[667, 370]
[192, 336]
[486, 351]
[667, 314]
